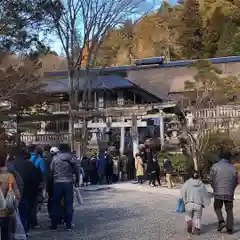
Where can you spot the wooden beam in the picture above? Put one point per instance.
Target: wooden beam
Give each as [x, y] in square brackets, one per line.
[157, 115]
[49, 117]
[112, 125]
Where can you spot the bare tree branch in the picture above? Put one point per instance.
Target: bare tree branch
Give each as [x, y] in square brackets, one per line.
[83, 25]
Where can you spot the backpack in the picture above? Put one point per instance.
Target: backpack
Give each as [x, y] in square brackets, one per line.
[18, 178]
[9, 202]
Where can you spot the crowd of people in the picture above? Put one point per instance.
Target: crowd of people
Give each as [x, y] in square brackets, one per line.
[54, 173]
[33, 171]
[105, 168]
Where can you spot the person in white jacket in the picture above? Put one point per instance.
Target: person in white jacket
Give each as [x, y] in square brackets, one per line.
[195, 197]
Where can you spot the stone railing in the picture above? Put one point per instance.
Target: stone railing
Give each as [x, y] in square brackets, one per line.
[218, 112]
[42, 139]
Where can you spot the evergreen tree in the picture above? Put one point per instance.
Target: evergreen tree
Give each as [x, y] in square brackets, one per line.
[212, 33]
[191, 31]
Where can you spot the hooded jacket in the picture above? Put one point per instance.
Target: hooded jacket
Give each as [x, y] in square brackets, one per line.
[64, 167]
[38, 162]
[194, 191]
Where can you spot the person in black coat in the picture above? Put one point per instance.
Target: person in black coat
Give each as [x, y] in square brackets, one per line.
[31, 177]
[86, 169]
[109, 168]
[93, 173]
[151, 173]
[157, 169]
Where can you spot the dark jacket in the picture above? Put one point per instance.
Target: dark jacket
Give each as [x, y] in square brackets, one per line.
[148, 155]
[92, 164]
[85, 164]
[123, 163]
[31, 177]
[168, 167]
[224, 180]
[64, 167]
[47, 157]
[109, 165]
[156, 166]
[151, 167]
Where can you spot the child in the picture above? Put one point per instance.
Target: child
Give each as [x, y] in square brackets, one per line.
[195, 197]
[139, 168]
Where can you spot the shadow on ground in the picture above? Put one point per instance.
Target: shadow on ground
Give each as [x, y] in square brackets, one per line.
[90, 219]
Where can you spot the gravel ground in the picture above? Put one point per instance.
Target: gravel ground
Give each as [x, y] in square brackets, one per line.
[128, 215]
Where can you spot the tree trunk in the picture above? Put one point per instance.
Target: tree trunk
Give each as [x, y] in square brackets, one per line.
[18, 133]
[71, 74]
[84, 138]
[71, 129]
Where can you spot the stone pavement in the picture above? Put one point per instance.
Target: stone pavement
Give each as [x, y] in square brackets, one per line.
[124, 212]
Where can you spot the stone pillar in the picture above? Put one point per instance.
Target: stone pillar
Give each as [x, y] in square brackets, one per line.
[122, 139]
[43, 127]
[135, 137]
[94, 137]
[120, 98]
[108, 128]
[101, 99]
[161, 126]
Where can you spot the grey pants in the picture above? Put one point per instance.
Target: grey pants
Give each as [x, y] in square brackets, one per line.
[194, 213]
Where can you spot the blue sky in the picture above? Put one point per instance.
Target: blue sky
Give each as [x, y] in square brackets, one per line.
[172, 1]
[56, 45]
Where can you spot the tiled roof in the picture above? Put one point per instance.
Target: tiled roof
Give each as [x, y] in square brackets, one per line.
[172, 64]
[101, 82]
[159, 80]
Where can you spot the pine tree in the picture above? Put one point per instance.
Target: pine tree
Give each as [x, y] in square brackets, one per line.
[212, 32]
[191, 31]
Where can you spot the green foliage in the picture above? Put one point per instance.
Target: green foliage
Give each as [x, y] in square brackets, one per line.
[212, 33]
[217, 142]
[210, 86]
[191, 36]
[20, 24]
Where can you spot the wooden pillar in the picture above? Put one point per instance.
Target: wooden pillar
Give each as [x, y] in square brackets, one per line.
[122, 139]
[161, 126]
[108, 128]
[135, 137]
[95, 100]
[3, 149]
